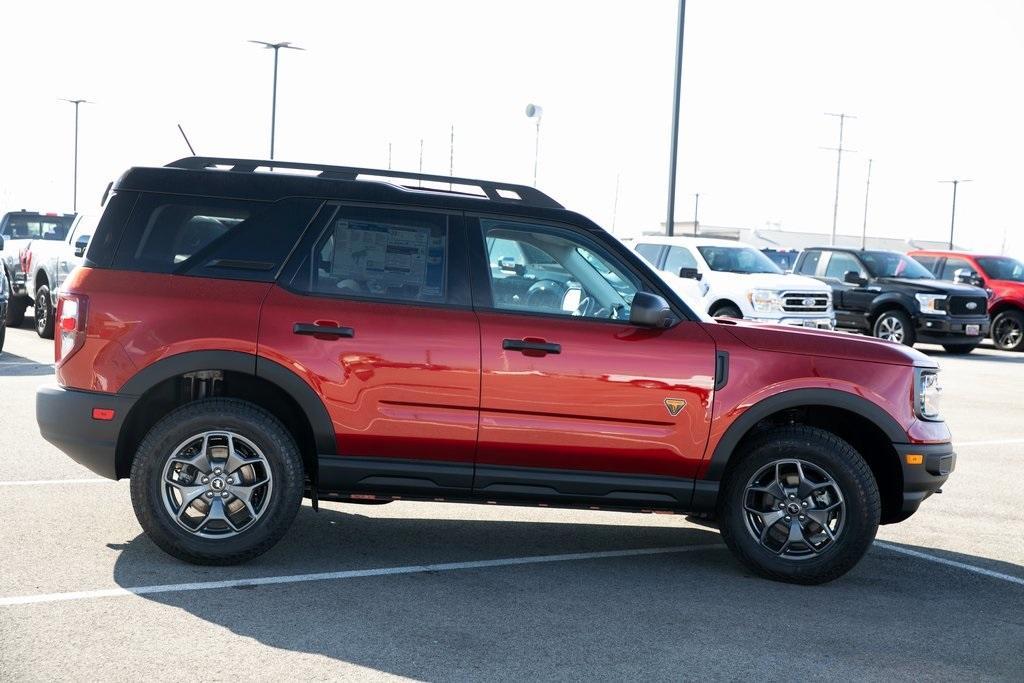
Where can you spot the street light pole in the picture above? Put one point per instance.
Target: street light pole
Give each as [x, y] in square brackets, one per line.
[535, 111]
[696, 206]
[670, 217]
[276, 47]
[74, 182]
[952, 217]
[867, 190]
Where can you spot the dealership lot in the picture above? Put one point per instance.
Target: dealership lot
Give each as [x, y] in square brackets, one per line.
[471, 592]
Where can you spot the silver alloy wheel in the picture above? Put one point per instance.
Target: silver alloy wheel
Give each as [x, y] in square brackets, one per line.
[1007, 332]
[794, 509]
[42, 312]
[890, 328]
[216, 484]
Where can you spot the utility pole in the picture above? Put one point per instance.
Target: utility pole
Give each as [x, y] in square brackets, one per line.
[74, 181]
[696, 207]
[867, 191]
[389, 156]
[419, 181]
[615, 203]
[451, 156]
[670, 218]
[952, 218]
[839, 167]
[276, 47]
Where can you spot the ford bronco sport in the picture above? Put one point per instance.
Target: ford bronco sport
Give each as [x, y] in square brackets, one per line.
[238, 339]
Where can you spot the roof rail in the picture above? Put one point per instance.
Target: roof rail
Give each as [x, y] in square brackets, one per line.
[495, 191]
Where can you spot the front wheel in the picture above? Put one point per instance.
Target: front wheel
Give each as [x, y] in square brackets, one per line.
[44, 313]
[801, 506]
[727, 311]
[1008, 331]
[895, 326]
[16, 306]
[217, 481]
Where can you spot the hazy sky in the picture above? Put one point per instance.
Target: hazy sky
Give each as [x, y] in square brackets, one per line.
[936, 87]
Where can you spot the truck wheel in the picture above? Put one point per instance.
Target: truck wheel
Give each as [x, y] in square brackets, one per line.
[1008, 331]
[800, 506]
[895, 326]
[726, 311]
[3, 337]
[959, 349]
[217, 481]
[15, 309]
[44, 313]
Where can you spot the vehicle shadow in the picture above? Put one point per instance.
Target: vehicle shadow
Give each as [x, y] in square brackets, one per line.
[663, 616]
[13, 365]
[993, 355]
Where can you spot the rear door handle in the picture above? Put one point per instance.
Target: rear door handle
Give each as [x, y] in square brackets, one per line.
[323, 330]
[531, 347]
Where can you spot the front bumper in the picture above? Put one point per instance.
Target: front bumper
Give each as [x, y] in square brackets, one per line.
[65, 418]
[946, 329]
[922, 479]
[819, 322]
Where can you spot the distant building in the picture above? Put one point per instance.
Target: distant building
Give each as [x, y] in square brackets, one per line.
[770, 238]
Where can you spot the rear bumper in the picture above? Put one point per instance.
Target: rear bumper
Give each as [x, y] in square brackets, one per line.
[65, 420]
[922, 480]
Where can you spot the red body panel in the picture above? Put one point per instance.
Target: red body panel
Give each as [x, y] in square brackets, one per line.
[1004, 293]
[136, 319]
[406, 385]
[599, 404]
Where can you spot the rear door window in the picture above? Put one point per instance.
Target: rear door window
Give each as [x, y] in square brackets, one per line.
[809, 265]
[927, 261]
[651, 252]
[679, 258]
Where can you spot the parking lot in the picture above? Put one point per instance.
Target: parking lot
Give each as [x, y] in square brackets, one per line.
[437, 591]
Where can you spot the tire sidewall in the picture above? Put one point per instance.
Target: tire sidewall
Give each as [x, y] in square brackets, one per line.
[44, 328]
[860, 495]
[909, 335]
[217, 414]
[1015, 315]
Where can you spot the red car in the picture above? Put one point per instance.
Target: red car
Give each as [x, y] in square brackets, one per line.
[1003, 279]
[237, 340]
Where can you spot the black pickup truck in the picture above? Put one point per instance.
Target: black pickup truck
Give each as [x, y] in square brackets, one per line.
[891, 296]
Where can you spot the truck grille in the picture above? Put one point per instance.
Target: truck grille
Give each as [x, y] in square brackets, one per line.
[961, 305]
[805, 302]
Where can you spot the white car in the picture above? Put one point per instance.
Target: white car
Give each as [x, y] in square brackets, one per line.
[732, 279]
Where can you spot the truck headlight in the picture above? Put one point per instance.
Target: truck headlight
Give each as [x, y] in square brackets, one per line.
[765, 300]
[931, 303]
[928, 393]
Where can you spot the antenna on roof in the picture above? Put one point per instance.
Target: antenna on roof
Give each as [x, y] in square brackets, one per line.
[182, 131]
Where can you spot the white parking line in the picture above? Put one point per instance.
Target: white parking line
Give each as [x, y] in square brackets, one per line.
[993, 442]
[349, 574]
[951, 563]
[50, 482]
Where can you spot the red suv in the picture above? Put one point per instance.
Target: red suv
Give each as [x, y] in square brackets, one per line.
[1003, 279]
[238, 339]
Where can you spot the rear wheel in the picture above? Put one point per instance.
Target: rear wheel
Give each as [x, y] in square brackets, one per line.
[1008, 331]
[3, 337]
[959, 349]
[217, 481]
[15, 309]
[44, 313]
[801, 506]
[895, 326]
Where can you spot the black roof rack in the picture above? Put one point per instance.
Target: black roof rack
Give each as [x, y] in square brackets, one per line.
[495, 191]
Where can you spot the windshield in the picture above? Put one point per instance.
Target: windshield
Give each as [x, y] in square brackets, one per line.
[894, 264]
[737, 260]
[1002, 268]
[33, 226]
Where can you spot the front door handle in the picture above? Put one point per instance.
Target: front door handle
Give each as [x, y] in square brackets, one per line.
[323, 330]
[531, 347]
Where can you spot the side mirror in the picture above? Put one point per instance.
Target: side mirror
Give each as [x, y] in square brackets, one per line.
[966, 276]
[691, 273]
[81, 244]
[509, 265]
[649, 310]
[852, 277]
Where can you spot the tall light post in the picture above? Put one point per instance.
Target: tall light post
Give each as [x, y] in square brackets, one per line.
[952, 217]
[696, 207]
[276, 47]
[535, 111]
[670, 218]
[74, 182]
[867, 191]
[839, 167]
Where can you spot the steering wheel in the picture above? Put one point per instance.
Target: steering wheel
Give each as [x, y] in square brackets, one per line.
[544, 294]
[590, 308]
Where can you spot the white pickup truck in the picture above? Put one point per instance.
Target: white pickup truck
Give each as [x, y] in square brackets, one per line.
[733, 279]
[47, 263]
[19, 228]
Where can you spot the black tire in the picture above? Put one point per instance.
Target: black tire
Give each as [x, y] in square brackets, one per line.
[959, 349]
[3, 337]
[15, 310]
[44, 313]
[726, 311]
[888, 320]
[1008, 331]
[248, 421]
[838, 460]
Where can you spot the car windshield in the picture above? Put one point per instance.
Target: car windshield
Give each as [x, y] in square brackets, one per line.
[737, 260]
[34, 226]
[894, 264]
[1002, 268]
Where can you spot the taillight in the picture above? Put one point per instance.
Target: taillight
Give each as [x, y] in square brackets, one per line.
[70, 326]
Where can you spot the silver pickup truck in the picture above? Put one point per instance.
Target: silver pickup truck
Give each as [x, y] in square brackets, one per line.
[47, 263]
[19, 228]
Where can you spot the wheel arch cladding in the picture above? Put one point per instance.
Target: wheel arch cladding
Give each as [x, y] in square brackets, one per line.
[867, 427]
[156, 388]
[892, 301]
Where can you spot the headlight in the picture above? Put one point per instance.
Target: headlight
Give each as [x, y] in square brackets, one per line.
[765, 300]
[931, 303]
[928, 394]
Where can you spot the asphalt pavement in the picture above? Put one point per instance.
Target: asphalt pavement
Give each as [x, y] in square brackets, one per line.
[469, 592]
